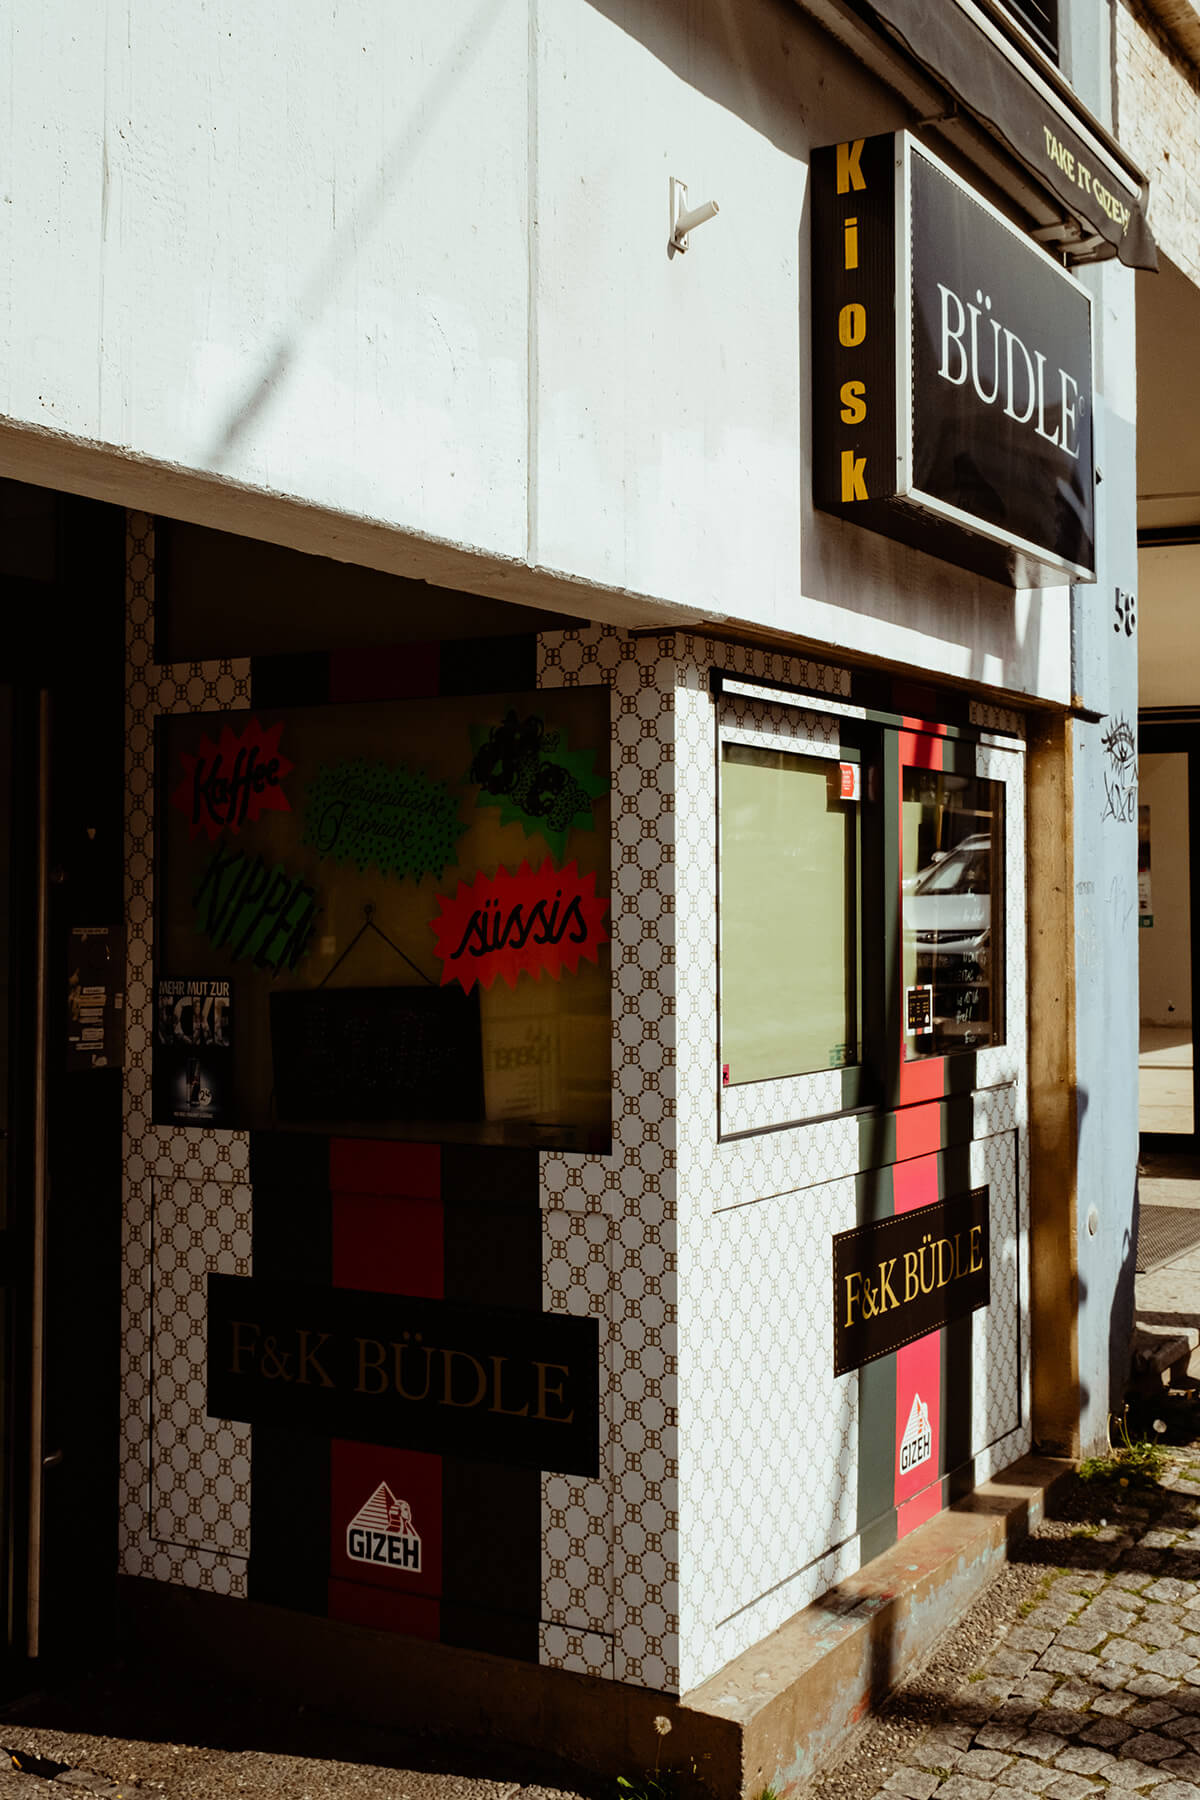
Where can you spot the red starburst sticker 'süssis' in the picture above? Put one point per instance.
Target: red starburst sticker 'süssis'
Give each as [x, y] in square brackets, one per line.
[531, 920]
[229, 783]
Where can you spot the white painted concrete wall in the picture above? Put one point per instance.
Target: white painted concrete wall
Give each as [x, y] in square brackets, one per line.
[286, 246]
[1105, 845]
[409, 267]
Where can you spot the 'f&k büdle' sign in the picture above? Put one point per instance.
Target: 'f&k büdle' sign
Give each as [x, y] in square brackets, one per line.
[896, 1280]
[952, 370]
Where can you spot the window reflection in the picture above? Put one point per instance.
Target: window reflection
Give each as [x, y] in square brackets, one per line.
[952, 882]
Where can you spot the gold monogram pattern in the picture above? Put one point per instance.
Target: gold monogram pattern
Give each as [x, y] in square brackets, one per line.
[185, 1478]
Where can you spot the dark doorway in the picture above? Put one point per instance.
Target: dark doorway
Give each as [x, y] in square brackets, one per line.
[1169, 931]
[61, 874]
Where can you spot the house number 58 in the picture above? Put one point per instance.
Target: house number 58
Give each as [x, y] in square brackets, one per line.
[1125, 608]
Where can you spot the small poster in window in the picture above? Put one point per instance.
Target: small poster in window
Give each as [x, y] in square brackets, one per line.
[95, 1004]
[193, 1053]
[919, 1006]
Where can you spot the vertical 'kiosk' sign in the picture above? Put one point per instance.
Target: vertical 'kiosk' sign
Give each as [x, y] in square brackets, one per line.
[952, 370]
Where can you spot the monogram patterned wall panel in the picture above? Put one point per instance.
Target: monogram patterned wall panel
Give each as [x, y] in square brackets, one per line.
[610, 1557]
[185, 1478]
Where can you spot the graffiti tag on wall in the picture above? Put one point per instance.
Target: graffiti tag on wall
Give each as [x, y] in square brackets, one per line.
[1120, 772]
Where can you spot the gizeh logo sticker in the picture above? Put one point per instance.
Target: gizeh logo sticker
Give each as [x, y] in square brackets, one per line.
[382, 1533]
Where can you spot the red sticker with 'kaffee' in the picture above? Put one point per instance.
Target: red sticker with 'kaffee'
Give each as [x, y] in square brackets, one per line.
[230, 783]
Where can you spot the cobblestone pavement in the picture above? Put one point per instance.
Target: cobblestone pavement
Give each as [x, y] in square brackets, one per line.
[1077, 1673]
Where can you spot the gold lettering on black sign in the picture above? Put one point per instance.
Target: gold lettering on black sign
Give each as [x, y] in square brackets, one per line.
[896, 1279]
[486, 1382]
[852, 323]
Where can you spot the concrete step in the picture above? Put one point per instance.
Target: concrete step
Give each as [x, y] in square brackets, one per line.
[1157, 1348]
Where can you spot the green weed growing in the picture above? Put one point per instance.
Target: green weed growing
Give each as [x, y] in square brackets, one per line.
[1130, 1461]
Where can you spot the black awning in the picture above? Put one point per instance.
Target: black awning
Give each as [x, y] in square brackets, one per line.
[1036, 128]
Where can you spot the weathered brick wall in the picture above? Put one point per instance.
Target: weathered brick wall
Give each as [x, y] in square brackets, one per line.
[1158, 111]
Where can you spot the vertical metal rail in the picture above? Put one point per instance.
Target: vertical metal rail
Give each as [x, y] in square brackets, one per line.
[38, 1297]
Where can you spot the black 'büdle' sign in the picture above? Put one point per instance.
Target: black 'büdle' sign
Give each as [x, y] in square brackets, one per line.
[485, 1382]
[899, 1278]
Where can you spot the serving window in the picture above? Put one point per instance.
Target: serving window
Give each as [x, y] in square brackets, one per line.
[863, 883]
[790, 852]
[388, 919]
[790, 913]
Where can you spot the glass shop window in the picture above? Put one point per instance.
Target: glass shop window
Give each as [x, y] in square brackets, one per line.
[952, 912]
[1040, 19]
[388, 918]
[791, 944]
[861, 903]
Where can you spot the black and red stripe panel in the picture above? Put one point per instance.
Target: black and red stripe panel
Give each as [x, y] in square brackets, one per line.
[447, 1222]
[935, 1372]
[456, 1223]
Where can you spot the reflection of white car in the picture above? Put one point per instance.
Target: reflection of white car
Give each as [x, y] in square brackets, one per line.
[948, 906]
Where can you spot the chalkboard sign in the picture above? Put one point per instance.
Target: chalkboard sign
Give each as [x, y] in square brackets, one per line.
[380, 1053]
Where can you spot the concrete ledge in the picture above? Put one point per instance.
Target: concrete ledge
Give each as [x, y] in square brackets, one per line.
[796, 1696]
[773, 1716]
[523, 1720]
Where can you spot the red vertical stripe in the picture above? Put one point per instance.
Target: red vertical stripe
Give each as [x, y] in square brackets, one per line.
[922, 1080]
[920, 747]
[387, 1230]
[388, 1245]
[387, 1217]
[918, 1133]
[922, 1506]
[925, 1077]
[918, 1369]
[388, 1237]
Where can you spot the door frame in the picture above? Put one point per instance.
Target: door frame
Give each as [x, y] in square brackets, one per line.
[1176, 731]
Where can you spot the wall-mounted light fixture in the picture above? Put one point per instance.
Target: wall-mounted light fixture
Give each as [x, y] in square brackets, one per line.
[685, 219]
